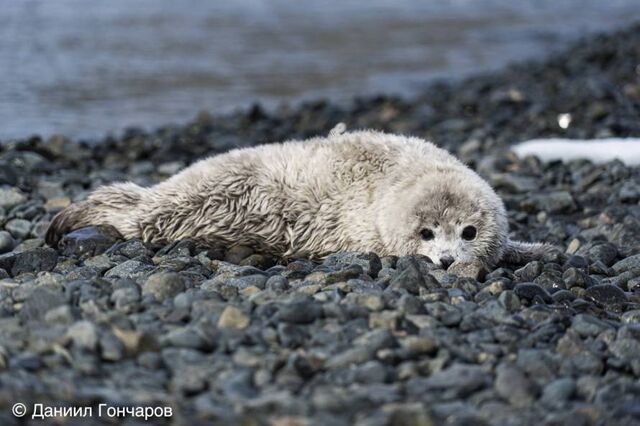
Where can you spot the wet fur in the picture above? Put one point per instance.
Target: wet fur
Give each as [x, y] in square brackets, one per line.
[360, 191]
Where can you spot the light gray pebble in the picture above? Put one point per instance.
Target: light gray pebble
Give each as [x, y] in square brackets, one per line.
[11, 197]
[19, 228]
[163, 285]
[83, 334]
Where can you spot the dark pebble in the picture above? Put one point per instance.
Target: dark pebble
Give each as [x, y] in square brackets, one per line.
[530, 291]
[90, 241]
[606, 294]
[34, 260]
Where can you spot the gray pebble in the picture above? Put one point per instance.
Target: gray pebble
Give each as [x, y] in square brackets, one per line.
[6, 242]
[163, 285]
[11, 197]
[83, 334]
[19, 228]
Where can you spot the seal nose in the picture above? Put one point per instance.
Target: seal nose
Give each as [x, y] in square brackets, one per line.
[446, 261]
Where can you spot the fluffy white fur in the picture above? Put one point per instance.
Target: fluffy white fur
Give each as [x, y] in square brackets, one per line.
[360, 191]
[597, 150]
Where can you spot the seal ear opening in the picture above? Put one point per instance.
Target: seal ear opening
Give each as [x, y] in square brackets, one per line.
[520, 252]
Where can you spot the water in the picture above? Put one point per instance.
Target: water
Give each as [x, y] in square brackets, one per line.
[87, 68]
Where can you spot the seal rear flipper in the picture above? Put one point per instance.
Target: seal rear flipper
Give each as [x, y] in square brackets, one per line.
[71, 218]
[115, 205]
[521, 252]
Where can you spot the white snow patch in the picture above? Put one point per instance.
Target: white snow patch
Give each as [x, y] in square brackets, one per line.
[626, 150]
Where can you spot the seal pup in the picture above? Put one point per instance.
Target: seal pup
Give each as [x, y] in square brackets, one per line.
[350, 191]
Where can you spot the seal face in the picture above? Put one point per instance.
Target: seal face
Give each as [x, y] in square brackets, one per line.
[355, 191]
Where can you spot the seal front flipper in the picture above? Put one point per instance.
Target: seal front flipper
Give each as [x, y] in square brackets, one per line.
[521, 252]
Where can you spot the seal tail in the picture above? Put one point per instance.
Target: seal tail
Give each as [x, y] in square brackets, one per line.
[521, 252]
[113, 205]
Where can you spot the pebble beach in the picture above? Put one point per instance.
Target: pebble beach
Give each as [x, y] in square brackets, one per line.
[232, 336]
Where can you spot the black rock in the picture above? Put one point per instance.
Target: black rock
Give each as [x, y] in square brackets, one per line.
[370, 262]
[40, 301]
[530, 291]
[530, 271]
[574, 277]
[605, 253]
[6, 242]
[299, 312]
[606, 294]
[89, 241]
[563, 296]
[34, 260]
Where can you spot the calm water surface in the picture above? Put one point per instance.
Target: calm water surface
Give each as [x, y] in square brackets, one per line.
[86, 68]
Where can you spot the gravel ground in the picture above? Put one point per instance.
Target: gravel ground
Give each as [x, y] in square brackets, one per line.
[235, 337]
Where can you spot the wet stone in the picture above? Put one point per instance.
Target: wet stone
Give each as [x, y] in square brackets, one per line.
[90, 241]
[530, 271]
[467, 269]
[6, 242]
[531, 291]
[605, 253]
[456, 381]
[277, 284]
[409, 279]
[587, 325]
[299, 312]
[606, 294]
[625, 348]
[510, 300]
[631, 317]
[631, 262]
[238, 253]
[551, 281]
[130, 248]
[83, 334]
[256, 280]
[132, 269]
[19, 228]
[577, 262]
[574, 277]
[513, 385]
[40, 302]
[558, 392]
[369, 262]
[563, 296]
[554, 202]
[34, 260]
[11, 197]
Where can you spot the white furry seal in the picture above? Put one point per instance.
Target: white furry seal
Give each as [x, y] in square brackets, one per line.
[356, 191]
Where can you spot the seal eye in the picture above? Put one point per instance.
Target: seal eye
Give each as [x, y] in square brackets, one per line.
[427, 234]
[469, 233]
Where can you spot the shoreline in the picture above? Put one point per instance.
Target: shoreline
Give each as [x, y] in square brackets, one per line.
[429, 100]
[231, 336]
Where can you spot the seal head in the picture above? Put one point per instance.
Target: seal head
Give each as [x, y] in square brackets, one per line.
[446, 216]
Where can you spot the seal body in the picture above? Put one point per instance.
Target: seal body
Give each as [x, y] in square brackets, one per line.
[355, 191]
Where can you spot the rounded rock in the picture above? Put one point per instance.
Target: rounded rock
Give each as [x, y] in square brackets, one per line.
[163, 285]
[233, 318]
[606, 294]
[7, 243]
[19, 228]
[530, 291]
